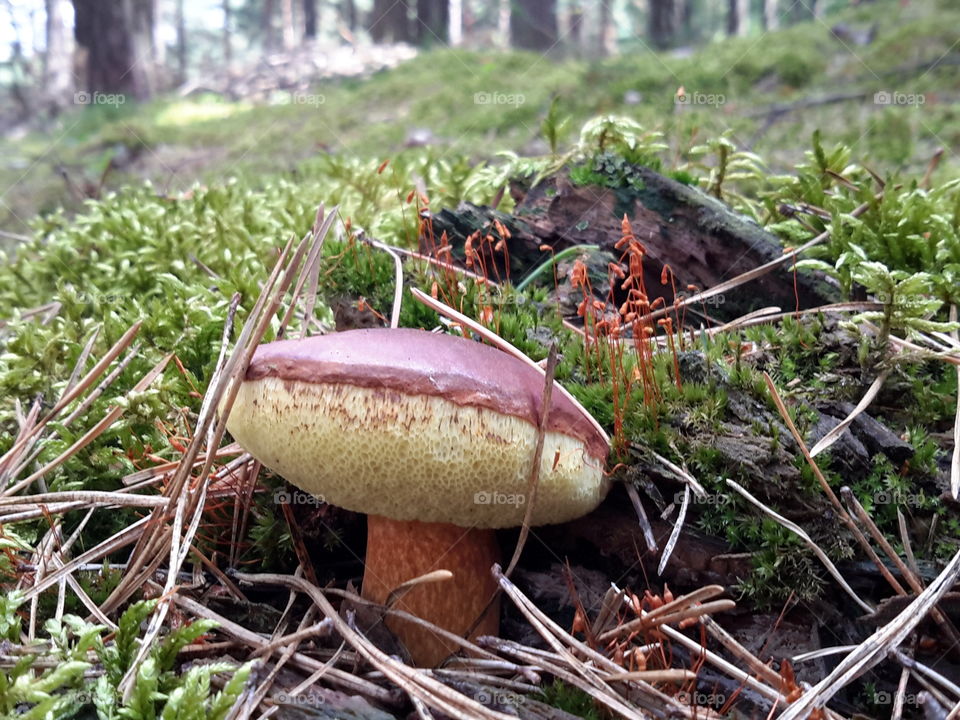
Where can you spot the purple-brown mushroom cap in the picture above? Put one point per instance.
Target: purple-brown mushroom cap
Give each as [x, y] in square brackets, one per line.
[417, 426]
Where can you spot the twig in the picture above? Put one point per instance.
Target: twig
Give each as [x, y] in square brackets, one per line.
[642, 519]
[534, 482]
[675, 533]
[912, 580]
[413, 681]
[69, 397]
[799, 532]
[876, 647]
[831, 437]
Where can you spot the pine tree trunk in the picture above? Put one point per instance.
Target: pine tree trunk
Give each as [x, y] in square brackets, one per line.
[58, 60]
[288, 30]
[433, 21]
[771, 18]
[226, 39]
[348, 13]
[269, 32]
[574, 30]
[737, 17]
[604, 43]
[661, 27]
[390, 21]
[533, 24]
[503, 24]
[142, 18]
[310, 19]
[105, 29]
[456, 23]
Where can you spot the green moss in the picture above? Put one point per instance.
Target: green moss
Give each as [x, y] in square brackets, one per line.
[573, 700]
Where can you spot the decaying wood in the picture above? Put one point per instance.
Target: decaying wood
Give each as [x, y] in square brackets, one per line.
[698, 237]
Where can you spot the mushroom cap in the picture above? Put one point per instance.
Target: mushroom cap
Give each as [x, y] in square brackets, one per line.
[414, 425]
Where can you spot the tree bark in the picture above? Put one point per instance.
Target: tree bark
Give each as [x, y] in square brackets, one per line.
[661, 23]
[737, 17]
[58, 60]
[269, 32]
[455, 31]
[310, 19]
[181, 24]
[574, 30]
[390, 21]
[105, 30]
[142, 18]
[604, 43]
[533, 24]
[289, 33]
[503, 24]
[771, 18]
[226, 40]
[683, 12]
[433, 22]
[348, 13]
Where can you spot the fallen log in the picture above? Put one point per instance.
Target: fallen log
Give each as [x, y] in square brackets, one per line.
[702, 240]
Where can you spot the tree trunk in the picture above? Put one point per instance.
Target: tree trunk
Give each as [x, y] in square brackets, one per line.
[433, 21]
[683, 21]
[142, 18]
[771, 19]
[533, 24]
[574, 29]
[105, 30]
[181, 23]
[455, 30]
[737, 17]
[503, 24]
[58, 60]
[390, 21]
[310, 19]
[226, 40]
[348, 13]
[269, 32]
[661, 23]
[288, 30]
[604, 41]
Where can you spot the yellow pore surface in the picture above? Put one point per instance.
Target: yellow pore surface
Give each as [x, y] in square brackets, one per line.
[412, 457]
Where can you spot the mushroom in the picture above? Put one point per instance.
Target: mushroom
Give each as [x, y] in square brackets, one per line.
[433, 437]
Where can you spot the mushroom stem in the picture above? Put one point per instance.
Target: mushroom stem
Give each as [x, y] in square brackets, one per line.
[400, 550]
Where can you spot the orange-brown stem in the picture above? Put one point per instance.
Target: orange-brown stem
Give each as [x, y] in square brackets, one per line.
[398, 551]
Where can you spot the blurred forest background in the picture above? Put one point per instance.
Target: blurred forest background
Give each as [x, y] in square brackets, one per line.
[97, 94]
[141, 47]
